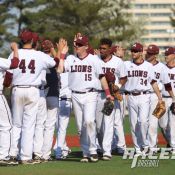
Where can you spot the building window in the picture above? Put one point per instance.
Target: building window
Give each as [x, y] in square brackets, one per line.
[159, 39]
[161, 23]
[157, 31]
[159, 6]
[160, 14]
[141, 6]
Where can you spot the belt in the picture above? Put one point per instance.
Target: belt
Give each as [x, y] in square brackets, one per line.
[90, 90]
[137, 93]
[167, 96]
[25, 86]
[101, 91]
[64, 98]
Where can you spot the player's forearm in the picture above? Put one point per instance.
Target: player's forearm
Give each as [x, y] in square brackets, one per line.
[60, 67]
[157, 91]
[53, 52]
[105, 86]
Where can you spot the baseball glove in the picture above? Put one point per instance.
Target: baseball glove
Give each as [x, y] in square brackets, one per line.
[159, 110]
[108, 107]
[172, 108]
[115, 91]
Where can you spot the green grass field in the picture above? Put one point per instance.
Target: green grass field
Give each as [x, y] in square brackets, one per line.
[72, 166]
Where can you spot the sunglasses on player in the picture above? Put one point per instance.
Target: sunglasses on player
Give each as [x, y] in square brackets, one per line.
[134, 51]
[79, 45]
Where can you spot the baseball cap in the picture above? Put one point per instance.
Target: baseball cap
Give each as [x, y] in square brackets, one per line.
[46, 45]
[152, 49]
[26, 36]
[137, 47]
[35, 37]
[83, 40]
[169, 51]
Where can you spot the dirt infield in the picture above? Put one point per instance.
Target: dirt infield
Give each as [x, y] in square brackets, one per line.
[73, 140]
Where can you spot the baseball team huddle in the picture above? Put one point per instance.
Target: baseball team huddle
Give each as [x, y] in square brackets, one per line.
[48, 83]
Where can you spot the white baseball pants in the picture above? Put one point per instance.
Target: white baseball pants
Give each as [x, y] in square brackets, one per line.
[62, 124]
[39, 127]
[5, 127]
[49, 125]
[84, 106]
[139, 107]
[24, 110]
[105, 126]
[119, 136]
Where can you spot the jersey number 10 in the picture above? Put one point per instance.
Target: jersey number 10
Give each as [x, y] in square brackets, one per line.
[31, 66]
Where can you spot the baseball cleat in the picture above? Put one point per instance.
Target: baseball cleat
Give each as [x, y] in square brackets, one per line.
[94, 158]
[84, 160]
[29, 162]
[105, 157]
[8, 162]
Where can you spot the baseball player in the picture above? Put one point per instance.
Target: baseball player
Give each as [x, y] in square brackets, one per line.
[6, 120]
[105, 124]
[65, 106]
[25, 97]
[140, 79]
[84, 71]
[162, 78]
[40, 119]
[52, 95]
[167, 122]
[41, 113]
[119, 144]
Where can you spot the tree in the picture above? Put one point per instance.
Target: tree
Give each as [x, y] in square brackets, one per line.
[3, 25]
[64, 18]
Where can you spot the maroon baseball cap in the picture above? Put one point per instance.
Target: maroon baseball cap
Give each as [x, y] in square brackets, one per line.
[46, 45]
[137, 47]
[26, 36]
[152, 49]
[35, 37]
[169, 51]
[83, 40]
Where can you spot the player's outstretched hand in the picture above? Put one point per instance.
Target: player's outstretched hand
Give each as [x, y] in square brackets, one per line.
[119, 52]
[14, 46]
[76, 37]
[61, 44]
[96, 51]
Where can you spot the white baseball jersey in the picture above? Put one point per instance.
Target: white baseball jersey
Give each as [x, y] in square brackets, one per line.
[84, 74]
[171, 74]
[139, 76]
[65, 90]
[116, 66]
[4, 65]
[30, 59]
[160, 75]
